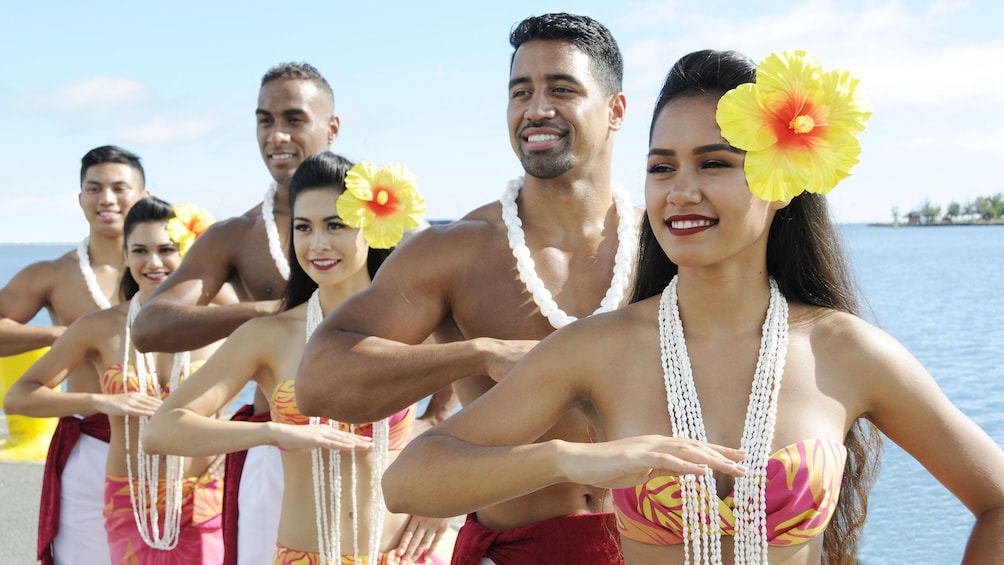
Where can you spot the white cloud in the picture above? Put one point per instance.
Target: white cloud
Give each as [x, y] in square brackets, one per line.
[101, 96]
[166, 131]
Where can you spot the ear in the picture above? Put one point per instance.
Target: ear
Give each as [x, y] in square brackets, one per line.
[333, 124]
[618, 105]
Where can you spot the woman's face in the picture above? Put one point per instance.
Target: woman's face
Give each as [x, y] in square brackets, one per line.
[700, 207]
[150, 255]
[328, 250]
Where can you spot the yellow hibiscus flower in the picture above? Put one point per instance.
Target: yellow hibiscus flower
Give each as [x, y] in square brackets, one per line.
[188, 223]
[797, 124]
[382, 202]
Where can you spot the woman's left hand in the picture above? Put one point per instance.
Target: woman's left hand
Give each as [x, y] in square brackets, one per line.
[420, 538]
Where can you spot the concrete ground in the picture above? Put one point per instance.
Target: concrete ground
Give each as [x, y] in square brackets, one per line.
[20, 488]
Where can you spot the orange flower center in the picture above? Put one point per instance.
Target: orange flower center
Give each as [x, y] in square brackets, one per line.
[802, 124]
[382, 197]
[384, 202]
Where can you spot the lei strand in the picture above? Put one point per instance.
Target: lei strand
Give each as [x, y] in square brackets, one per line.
[84, 259]
[627, 242]
[699, 494]
[143, 496]
[272, 232]
[328, 501]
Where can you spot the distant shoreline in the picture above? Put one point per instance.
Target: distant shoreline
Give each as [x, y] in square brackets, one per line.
[936, 224]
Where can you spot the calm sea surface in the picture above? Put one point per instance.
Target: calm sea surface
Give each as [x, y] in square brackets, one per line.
[936, 289]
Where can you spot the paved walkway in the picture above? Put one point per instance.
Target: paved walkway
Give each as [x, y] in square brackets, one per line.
[20, 488]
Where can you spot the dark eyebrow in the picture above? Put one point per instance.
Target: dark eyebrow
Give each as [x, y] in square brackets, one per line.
[655, 151]
[325, 219]
[554, 77]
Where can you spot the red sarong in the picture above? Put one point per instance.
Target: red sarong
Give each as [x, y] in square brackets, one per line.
[67, 433]
[578, 539]
[232, 483]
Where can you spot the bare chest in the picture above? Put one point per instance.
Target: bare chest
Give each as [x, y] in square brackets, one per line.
[256, 275]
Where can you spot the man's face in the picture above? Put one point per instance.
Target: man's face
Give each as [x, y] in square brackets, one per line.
[559, 115]
[107, 194]
[295, 120]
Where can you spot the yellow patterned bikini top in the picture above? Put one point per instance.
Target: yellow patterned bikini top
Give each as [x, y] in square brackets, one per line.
[285, 411]
[113, 381]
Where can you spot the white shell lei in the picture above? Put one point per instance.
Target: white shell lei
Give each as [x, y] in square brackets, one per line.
[627, 245]
[701, 528]
[84, 258]
[272, 232]
[328, 500]
[143, 496]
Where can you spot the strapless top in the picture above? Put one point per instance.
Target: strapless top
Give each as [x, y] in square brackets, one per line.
[803, 484]
[285, 411]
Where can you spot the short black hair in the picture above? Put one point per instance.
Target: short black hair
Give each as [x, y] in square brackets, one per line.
[585, 34]
[110, 154]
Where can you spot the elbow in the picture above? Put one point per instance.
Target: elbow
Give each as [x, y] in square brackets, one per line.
[13, 404]
[155, 441]
[395, 490]
[352, 403]
[142, 330]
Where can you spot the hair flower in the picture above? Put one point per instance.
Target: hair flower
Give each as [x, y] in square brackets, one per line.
[381, 202]
[797, 124]
[187, 225]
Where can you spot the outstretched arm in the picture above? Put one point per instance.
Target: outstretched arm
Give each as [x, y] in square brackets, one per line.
[33, 394]
[367, 360]
[23, 297]
[186, 423]
[482, 456]
[176, 317]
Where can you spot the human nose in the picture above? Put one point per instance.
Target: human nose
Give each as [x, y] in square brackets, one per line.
[320, 241]
[685, 189]
[539, 108]
[106, 196]
[277, 135]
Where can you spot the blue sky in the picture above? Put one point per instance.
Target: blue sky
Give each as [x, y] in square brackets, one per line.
[424, 84]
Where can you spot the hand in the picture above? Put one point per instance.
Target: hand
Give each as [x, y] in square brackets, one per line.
[127, 404]
[267, 307]
[420, 538]
[632, 461]
[299, 438]
[506, 354]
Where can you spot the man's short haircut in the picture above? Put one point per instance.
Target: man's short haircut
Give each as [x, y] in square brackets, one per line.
[585, 34]
[110, 154]
[298, 71]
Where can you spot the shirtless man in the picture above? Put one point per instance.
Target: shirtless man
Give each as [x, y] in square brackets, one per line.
[78, 283]
[296, 119]
[565, 103]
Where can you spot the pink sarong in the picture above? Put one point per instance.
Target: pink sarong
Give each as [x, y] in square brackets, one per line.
[286, 556]
[201, 536]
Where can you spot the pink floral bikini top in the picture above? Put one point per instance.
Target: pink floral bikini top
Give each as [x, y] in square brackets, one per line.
[285, 411]
[803, 484]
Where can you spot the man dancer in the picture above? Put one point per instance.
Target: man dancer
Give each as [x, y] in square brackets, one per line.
[565, 103]
[296, 119]
[71, 524]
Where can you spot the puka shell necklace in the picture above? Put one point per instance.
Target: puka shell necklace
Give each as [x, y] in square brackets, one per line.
[701, 529]
[627, 245]
[272, 232]
[84, 258]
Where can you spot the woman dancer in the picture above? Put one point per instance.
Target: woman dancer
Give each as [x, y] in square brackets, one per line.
[332, 507]
[741, 282]
[157, 510]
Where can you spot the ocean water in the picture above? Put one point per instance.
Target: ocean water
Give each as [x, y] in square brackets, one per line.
[938, 291]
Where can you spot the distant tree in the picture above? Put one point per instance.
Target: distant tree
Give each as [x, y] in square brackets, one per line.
[929, 211]
[954, 209]
[997, 205]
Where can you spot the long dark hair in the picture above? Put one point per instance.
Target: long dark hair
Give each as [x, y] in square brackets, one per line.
[149, 209]
[806, 258]
[320, 171]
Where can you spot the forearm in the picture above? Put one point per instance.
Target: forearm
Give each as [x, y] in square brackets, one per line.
[441, 476]
[183, 432]
[986, 543]
[353, 378]
[171, 327]
[30, 399]
[18, 338]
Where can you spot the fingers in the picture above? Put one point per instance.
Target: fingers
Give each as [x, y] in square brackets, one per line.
[420, 538]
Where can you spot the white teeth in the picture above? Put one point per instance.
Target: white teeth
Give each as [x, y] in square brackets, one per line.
[324, 262]
[282, 155]
[688, 224]
[542, 137]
